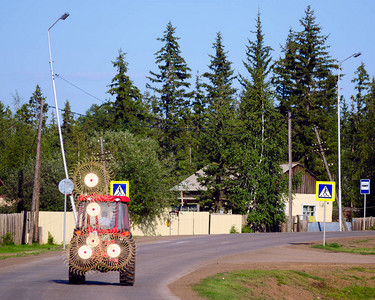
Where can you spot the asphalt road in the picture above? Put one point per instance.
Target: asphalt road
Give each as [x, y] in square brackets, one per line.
[157, 265]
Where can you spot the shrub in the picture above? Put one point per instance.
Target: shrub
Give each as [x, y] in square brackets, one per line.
[246, 229]
[51, 239]
[233, 229]
[8, 239]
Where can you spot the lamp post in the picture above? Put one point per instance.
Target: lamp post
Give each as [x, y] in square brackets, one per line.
[339, 135]
[63, 17]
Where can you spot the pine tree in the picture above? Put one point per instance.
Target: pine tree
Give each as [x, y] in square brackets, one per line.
[306, 87]
[218, 136]
[170, 86]
[260, 151]
[128, 107]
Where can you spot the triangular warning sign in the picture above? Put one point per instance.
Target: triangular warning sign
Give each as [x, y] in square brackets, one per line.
[325, 193]
[119, 191]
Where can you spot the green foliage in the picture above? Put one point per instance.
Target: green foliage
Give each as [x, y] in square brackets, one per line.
[306, 86]
[129, 110]
[170, 86]
[138, 161]
[233, 229]
[51, 239]
[259, 182]
[246, 229]
[8, 239]
[216, 142]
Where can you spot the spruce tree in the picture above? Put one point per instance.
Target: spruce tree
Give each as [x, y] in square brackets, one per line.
[218, 138]
[170, 86]
[306, 87]
[260, 152]
[128, 107]
[355, 138]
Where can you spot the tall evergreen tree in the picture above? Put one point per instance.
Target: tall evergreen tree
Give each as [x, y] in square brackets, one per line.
[218, 137]
[128, 107]
[355, 138]
[306, 87]
[257, 180]
[170, 85]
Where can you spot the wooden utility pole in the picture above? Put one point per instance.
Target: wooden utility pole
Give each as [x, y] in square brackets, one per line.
[102, 154]
[34, 215]
[290, 229]
[321, 150]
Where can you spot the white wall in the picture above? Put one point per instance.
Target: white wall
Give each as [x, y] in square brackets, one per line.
[309, 199]
[185, 223]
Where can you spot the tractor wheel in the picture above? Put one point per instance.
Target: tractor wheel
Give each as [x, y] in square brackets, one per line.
[127, 276]
[75, 277]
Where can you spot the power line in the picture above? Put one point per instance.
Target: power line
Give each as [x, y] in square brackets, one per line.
[77, 87]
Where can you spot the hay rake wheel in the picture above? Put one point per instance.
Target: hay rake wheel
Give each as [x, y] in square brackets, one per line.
[90, 177]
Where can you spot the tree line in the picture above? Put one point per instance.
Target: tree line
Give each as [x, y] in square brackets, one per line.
[158, 137]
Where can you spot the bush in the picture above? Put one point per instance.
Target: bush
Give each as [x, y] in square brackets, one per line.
[246, 229]
[8, 239]
[51, 239]
[233, 229]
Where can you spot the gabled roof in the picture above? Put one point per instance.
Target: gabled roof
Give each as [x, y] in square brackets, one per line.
[191, 183]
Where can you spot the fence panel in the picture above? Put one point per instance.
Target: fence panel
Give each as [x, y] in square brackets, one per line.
[15, 224]
[357, 223]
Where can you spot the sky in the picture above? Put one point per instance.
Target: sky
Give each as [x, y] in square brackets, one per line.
[87, 42]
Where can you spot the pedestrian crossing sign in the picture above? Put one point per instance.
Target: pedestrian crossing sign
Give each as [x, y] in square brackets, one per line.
[325, 191]
[120, 188]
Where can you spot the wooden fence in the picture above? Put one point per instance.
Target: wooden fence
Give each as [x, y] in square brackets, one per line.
[16, 224]
[357, 223]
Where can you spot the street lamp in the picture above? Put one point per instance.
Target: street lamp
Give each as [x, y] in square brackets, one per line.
[339, 134]
[63, 17]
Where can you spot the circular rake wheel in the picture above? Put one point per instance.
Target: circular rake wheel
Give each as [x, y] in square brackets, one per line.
[91, 178]
[120, 254]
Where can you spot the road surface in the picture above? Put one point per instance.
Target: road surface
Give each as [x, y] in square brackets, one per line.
[158, 264]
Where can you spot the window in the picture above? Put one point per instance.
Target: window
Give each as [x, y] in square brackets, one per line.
[308, 211]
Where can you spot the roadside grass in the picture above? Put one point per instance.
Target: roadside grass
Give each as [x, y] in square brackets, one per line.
[328, 283]
[350, 248]
[279, 284]
[23, 250]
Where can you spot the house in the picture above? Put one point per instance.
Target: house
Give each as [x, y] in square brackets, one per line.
[189, 192]
[304, 203]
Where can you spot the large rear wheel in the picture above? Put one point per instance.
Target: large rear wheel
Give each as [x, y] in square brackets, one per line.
[75, 277]
[127, 276]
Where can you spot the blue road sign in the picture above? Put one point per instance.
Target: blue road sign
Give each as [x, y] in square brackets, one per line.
[325, 191]
[365, 186]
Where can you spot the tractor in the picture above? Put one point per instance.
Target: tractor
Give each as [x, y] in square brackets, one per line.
[102, 240]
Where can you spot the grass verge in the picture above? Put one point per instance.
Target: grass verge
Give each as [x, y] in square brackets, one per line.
[347, 283]
[7, 251]
[349, 248]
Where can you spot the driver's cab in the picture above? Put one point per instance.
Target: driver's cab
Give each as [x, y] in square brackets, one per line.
[103, 212]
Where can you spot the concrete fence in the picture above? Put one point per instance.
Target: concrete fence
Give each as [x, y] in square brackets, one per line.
[183, 223]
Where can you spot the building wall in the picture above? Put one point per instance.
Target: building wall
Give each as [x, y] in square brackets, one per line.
[299, 200]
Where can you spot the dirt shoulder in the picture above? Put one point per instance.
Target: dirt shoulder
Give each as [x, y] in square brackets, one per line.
[292, 257]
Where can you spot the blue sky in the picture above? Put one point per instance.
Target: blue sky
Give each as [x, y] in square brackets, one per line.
[86, 43]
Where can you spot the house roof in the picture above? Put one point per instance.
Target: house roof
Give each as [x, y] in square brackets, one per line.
[191, 183]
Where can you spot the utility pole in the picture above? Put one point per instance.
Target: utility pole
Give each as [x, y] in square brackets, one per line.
[102, 155]
[290, 171]
[34, 215]
[321, 150]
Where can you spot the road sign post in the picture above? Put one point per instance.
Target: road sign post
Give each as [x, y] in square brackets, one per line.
[325, 191]
[66, 187]
[365, 190]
